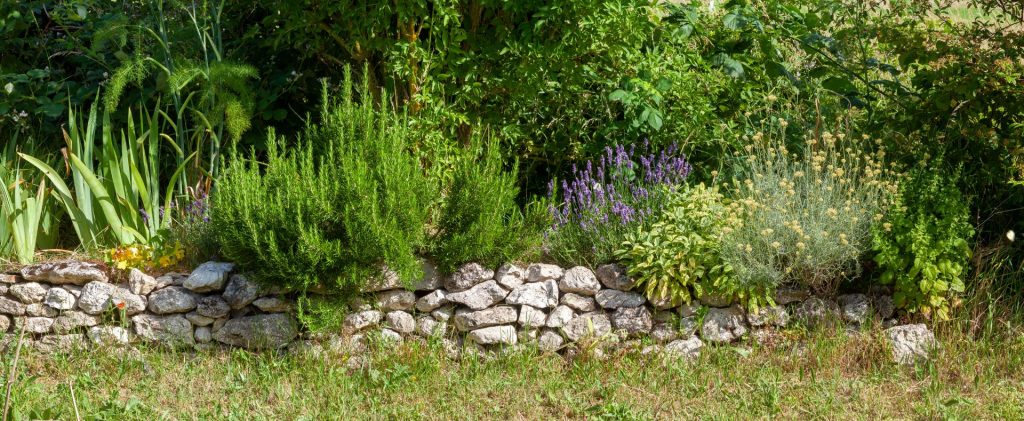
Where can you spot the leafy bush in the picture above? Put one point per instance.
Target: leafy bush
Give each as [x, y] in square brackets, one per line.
[922, 245]
[804, 217]
[480, 220]
[28, 221]
[608, 199]
[678, 257]
[348, 198]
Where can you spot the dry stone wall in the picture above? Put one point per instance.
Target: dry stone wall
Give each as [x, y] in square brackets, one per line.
[63, 305]
[72, 304]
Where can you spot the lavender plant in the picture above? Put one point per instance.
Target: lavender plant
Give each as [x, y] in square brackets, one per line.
[609, 197]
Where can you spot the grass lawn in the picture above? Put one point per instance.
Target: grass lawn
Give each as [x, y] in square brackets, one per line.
[819, 375]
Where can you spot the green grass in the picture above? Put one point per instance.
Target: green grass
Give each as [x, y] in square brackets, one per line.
[819, 376]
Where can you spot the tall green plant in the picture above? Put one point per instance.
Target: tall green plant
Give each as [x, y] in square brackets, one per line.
[27, 220]
[115, 197]
[350, 197]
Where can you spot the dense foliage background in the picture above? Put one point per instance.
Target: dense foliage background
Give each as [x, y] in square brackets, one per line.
[165, 96]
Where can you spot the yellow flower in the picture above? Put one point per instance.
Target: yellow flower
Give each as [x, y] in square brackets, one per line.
[776, 244]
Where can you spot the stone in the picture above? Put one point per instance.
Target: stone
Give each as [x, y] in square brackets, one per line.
[388, 335]
[59, 343]
[769, 316]
[717, 300]
[28, 292]
[855, 308]
[613, 299]
[479, 296]
[396, 299]
[815, 311]
[33, 324]
[167, 280]
[174, 330]
[60, 299]
[723, 325]
[467, 276]
[527, 336]
[108, 335]
[262, 331]
[664, 332]
[171, 300]
[614, 276]
[272, 305]
[213, 307]
[428, 327]
[432, 301]
[203, 335]
[531, 317]
[8, 278]
[594, 324]
[98, 297]
[68, 321]
[198, 320]
[560, 316]
[790, 294]
[664, 302]
[9, 306]
[687, 348]
[510, 276]
[358, 321]
[431, 280]
[3, 289]
[579, 302]
[5, 324]
[209, 276]
[537, 294]
[40, 310]
[500, 315]
[443, 314]
[550, 340]
[65, 272]
[240, 292]
[140, 283]
[219, 323]
[505, 335]
[539, 272]
[884, 307]
[401, 322]
[633, 320]
[579, 280]
[911, 343]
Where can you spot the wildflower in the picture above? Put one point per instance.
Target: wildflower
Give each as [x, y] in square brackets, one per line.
[772, 98]
[1010, 235]
[776, 244]
[887, 226]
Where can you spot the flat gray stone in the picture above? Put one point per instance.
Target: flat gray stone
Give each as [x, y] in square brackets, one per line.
[428, 327]
[531, 317]
[59, 343]
[9, 306]
[213, 307]
[633, 320]
[560, 316]
[36, 325]
[911, 343]
[358, 321]
[432, 301]
[431, 279]
[198, 320]
[594, 324]
[505, 335]
[240, 292]
[469, 320]
[172, 330]
[98, 297]
[687, 348]
[816, 311]
[40, 310]
[262, 331]
[539, 272]
[65, 272]
[28, 292]
[272, 305]
[510, 276]
[723, 325]
[209, 276]
[613, 299]
[855, 308]
[550, 340]
[69, 321]
[396, 299]
[108, 335]
[203, 335]
[579, 302]
[401, 322]
[141, 283]
[60, 299]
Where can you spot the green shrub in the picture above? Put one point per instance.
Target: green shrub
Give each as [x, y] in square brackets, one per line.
[922, 245]
[677, 258]
[350, 197]
[804, 217]
[480, 220]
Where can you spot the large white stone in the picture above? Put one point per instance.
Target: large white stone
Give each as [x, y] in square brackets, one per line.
[209, 276]
[550, 340]
[9, 306]
[579, 280]
[594, 324]
[579, 302]
[479, 296]
[505, 335]
[539, 272]
[396, 299]
[560, 316]
[633, 320]
[172, 329]
[358, 321]
[688, 348]
[240, 292]
[33, 324]
[532, 317]
[98, 297]
[172, 300]
[108, 335]
[911, 343]
[613, 299]
[542, 294]
[469, 320]
[262, 331]
[141, 283]
[401, 322]
[432, 301]
[28, 292]
[510, 276]
[614, 276]
[69, 321]
[467, 276]
[60, 299]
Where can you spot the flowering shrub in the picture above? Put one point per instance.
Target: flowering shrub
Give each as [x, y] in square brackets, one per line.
[606, 199]
[677, 257]
[921, 247]
[146, 256]
[805, 217]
